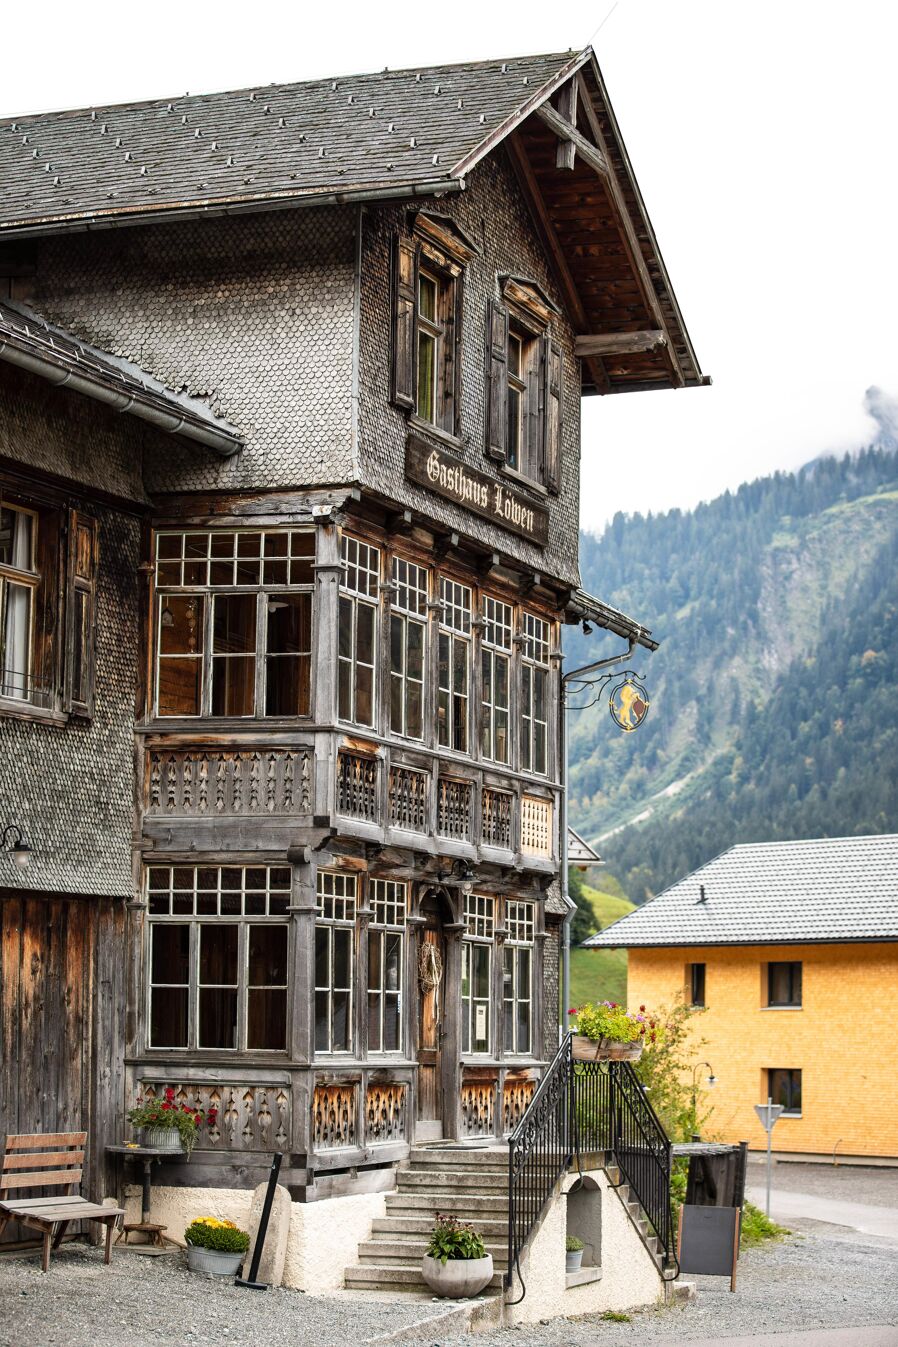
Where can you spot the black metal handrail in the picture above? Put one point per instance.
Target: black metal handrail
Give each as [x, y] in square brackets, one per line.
[540, 1150]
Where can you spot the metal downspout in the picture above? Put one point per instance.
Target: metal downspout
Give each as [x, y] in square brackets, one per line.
[569, 903]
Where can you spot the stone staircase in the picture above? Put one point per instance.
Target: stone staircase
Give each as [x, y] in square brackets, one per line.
[635, 1212]
[467, 1182]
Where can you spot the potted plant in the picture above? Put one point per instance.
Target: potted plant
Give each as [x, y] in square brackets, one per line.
[608, 1032]
[214, 1246]
[573, 1253]
[168, 1125]
[456, 1265]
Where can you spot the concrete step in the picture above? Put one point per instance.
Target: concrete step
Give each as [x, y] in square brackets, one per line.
[453, 1157]
[409, 1252]
[422, 1224]
[375, 1276]
[409, 1180]
[441, 1201]
[448, 1167]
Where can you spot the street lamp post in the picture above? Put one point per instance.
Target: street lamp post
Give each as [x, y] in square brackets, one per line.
[712, 1081]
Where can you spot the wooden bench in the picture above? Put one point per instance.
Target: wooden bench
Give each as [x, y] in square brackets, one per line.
[42, 1160]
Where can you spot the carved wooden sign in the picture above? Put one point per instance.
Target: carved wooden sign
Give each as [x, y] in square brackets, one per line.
[473, 490]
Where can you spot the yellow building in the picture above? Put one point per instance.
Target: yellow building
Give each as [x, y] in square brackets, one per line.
[792, 950]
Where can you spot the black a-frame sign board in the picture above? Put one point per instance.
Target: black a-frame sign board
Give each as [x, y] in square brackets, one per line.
[708, 1241]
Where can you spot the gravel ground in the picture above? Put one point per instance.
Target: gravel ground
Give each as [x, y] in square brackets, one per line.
[140, 1301]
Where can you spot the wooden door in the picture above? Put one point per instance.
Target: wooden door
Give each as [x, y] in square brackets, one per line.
[430, 960]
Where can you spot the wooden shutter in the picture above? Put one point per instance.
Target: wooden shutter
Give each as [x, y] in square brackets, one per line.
[405, 294]
[552, 418]
[81, 614]
[497, 380]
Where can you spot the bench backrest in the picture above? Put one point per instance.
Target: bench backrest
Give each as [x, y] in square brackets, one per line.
[41, 1159]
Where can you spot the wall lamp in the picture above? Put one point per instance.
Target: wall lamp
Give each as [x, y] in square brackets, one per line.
[13, 841]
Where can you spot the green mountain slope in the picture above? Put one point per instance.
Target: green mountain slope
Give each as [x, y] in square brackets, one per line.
[775, 692]
[599, 974]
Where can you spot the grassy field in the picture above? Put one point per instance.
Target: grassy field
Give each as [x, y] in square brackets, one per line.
[600, 974]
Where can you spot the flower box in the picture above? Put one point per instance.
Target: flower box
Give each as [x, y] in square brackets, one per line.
[585, 1049]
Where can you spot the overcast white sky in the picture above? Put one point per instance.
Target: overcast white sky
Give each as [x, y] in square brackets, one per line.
[763, 137]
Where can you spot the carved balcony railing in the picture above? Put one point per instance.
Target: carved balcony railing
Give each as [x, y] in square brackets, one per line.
[454, 800]
[536, 826]
[247, 1118]
[357, 787]
[188, 783]
[478, 1104]
[497, 811]
[385, 1113]
[408, 799]
[333, 1117]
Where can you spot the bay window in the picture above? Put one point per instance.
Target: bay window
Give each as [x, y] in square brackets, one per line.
[234, 623]
[454, 665]
[535, 695]
[217, 958]
[386, 938]
[334, 961]
[359, 591]
[408, 616]
[517, 977]
[495, 662]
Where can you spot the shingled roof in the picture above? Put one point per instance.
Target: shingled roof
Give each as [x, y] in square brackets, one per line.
[378, 134]
[773, 893]
[51, 353]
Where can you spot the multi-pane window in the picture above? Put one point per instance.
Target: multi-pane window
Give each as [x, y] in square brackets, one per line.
[454, 665]
[784, 1087]
[535, 695]
[386, 935]
[408, 615]
[234, 635]
[495, 662]
[334, 961]
[18, 583]
[476, 972]
[357, 643]
[436, 348]
[784, 983]
[218, 954]
[517, 977]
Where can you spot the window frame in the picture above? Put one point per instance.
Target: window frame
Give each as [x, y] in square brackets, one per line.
[520, 921]
[354, 595]
[328, 926]
[455, 632]
[496, 646]
[480, 929]
[532, 646]
[205, 596]
[406, 612]
[693, 978]
[790, 1072]
[195, 922]
[791, 1003]
[27, 580]
[382, 895]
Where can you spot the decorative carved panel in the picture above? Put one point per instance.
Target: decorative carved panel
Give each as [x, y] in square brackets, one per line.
[408, 799]
[385, 1114]
[249, 1117]
[220, 784]
[333, 1117]
[478, 1099]
[454, 809]
[497, 806]
[357, 787]
[536, 826]
[516, 1095]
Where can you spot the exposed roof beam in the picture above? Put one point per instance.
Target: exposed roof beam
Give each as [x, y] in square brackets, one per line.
[628, 234]
[566, 150]
[565, 131]
[619, 343]
[544, 226]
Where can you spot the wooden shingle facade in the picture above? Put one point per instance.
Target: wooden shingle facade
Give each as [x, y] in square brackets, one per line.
[321, 763]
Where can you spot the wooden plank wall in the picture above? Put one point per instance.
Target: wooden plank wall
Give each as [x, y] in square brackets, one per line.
[61, 1015]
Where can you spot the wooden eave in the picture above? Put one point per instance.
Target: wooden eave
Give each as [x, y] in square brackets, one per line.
[590, 215]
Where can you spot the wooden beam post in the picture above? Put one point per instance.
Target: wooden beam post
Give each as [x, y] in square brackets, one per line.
[566, 152]
[565, 131]
[619, 343]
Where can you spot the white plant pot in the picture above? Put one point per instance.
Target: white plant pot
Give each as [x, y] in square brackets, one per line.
[457, 1278]
[162, 1138]
[572, 1260]
[214, 1261]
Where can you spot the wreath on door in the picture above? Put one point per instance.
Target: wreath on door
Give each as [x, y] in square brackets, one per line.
[430, 967]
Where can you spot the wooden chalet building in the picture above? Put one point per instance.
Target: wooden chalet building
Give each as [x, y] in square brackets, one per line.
[290, 383]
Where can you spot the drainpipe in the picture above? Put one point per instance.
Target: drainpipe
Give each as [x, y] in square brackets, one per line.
[572, 906]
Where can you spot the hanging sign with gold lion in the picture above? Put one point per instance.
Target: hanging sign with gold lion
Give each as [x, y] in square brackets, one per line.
[628, 704]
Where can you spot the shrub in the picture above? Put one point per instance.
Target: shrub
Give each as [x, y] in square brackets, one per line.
[573, 1245]
[207, 1232]
[452, 1238]
[758, 1228]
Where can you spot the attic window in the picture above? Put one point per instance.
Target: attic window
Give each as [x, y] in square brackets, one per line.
[524, 384]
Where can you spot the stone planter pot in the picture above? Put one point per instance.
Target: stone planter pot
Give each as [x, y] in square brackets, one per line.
[213, 1261]
[585, 1049]
[572, 1260]
[457, 1278]
[162, 1138]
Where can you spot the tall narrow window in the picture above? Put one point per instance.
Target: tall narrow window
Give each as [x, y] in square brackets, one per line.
[476, 972]
[18, 582]
[386, 936]
[219, 938]
[495, 659]
[535, 695]
[430, 342]
[454, 665]
[695, 983]
[358, 631]
[408, 614]
[517, 977]
[334, 961]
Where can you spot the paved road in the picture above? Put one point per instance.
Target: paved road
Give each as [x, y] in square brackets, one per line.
[817, 1337]
[790, 1208]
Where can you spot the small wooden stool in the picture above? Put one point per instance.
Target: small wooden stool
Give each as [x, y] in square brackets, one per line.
[154, 1232]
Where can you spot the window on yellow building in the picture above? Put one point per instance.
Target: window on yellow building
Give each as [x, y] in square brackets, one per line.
[784, 1087]
[784, 984]
[695, 983]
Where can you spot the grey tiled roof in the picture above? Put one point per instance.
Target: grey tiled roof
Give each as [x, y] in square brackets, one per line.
[28, 341]
[829, 889]
[387, 131]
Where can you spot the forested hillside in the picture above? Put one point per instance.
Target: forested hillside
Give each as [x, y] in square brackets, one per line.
[774, 695]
